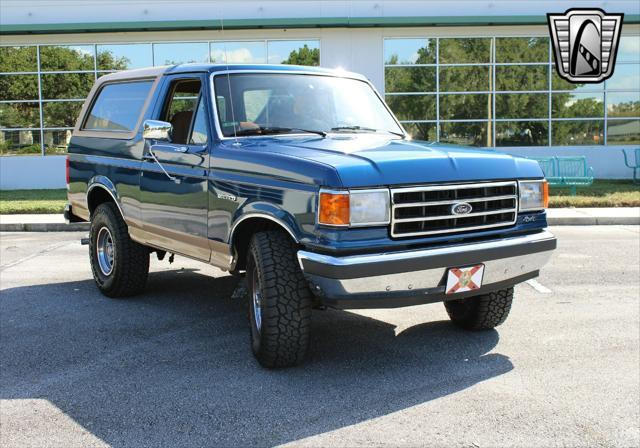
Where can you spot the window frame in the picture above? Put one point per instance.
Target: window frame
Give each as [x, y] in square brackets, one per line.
[549, 118]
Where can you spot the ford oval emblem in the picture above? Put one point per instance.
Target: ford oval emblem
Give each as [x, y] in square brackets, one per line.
[461, 208]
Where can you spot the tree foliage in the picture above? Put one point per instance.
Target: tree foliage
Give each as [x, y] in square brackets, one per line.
[304, 56]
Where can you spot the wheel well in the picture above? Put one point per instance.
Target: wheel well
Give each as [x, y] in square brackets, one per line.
[96, 197]
[243, 233]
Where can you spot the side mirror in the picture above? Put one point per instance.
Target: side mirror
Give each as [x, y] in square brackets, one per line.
[157, 130]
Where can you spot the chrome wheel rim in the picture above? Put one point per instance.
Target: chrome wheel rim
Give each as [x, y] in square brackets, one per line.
[105, 251]
[256, 299]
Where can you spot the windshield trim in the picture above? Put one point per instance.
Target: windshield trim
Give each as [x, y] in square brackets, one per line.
[347, 75]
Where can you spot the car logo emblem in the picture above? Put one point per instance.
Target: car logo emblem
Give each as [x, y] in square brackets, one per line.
[461, 208]
[585, 43]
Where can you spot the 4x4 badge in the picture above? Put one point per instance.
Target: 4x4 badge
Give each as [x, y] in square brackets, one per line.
[585, 43]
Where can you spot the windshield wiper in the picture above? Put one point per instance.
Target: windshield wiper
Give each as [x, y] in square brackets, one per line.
[266, 130]
[364, 129]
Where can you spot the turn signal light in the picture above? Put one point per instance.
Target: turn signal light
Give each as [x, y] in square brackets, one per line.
[545, 194]
[334, 209]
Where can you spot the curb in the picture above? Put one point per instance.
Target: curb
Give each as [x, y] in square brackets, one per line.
[552, 221]
[44, 227]
[594, 221]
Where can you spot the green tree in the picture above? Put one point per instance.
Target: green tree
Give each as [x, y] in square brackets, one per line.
[304, 56]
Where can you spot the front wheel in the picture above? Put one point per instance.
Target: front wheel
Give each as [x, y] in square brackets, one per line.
[120, 265]
[482, 312]
[279, 301]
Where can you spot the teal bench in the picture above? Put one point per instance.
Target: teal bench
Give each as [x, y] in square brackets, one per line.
[631, 163]
[566, 171]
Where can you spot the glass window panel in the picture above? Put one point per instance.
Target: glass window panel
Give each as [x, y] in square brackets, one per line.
[558, 83]
[61, 114]
[522, 49]
[118, 106]
[522, 133]
[472, 134]
[465, 50]
[66, 57]
[464, 107]
[180, 53]
[199, 133]
[623, 132]
[522, 105]
[56, 142]
[421, 131]
[239, 52]
[18, 87]
[410, 79]
[296, 52]
[19, 115]
[22, 143]
[124, 56]
[625, 104]
[522, 77]
[464, 79]
[18, 59]
[586, 132]
[625, 77]
[409, 51]
[412, 107]
[629, 49]
[577, 105]
[66, 85]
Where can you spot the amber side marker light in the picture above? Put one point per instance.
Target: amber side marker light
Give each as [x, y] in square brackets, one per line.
[334, 209]
[545, 194]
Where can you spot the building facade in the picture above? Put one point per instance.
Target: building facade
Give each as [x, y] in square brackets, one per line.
[477, 73]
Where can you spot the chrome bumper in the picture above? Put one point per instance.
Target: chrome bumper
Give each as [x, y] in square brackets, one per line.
[393, 279]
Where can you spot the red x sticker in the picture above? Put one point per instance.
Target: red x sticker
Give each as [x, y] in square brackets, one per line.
[464, 279]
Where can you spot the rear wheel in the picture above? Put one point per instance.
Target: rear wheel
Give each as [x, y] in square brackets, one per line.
[120, 265]
[279, 301]
[482, 312]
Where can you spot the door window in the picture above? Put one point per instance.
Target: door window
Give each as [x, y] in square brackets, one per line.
[180, 108]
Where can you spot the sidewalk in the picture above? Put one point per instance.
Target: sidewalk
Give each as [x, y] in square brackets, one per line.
[555, 217]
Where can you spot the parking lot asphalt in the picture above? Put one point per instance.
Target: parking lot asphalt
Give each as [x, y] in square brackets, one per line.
[173, 367]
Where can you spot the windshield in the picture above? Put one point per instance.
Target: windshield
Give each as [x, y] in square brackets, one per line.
[268, 104]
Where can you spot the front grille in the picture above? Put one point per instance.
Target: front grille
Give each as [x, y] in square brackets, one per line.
[429, 210]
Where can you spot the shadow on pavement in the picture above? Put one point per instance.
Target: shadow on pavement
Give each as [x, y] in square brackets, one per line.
[173, 367]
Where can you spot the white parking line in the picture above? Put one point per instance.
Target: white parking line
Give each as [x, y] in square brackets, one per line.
[538, 287]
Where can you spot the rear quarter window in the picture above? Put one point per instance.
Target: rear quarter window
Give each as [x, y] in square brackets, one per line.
[118, 106]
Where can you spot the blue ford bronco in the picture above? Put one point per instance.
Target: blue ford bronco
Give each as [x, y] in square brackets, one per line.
[301, 180]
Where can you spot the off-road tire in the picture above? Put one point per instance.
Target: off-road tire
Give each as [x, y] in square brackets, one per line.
[285, 301]
[482, 312]
[131, 260]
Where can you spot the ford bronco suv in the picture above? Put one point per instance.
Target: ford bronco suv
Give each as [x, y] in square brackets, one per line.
[301, 180]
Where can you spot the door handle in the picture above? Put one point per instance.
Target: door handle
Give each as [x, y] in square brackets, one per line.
[181, 149]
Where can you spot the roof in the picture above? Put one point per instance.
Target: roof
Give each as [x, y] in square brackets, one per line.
[212, 68]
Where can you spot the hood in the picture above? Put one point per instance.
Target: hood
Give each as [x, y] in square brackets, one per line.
[372, 159]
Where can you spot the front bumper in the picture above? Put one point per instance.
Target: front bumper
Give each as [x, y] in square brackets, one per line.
[394, 279]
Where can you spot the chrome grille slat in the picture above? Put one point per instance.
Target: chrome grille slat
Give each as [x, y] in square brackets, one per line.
[424, 204]
[426, 210]
[470, 215]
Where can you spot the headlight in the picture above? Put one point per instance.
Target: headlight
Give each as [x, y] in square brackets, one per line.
[355, 208]
[534, 195]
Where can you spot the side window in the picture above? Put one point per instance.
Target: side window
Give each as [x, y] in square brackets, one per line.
[118, 106]
[199, 131]
[180, 107]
